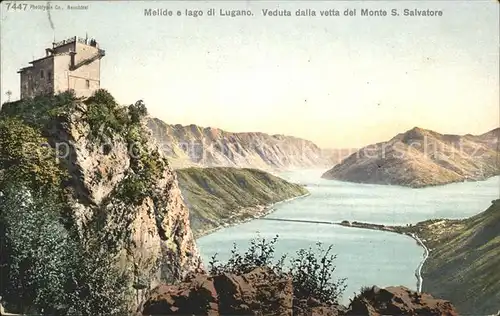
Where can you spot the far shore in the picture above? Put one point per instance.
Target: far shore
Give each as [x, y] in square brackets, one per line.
[417, 185]
[247, 214]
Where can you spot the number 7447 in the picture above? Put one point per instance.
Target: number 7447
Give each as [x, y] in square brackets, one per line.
[16, 6]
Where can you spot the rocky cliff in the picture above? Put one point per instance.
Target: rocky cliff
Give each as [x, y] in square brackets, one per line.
[152, 232]
[198, 146]
[262, 292]
[420, 157]
[223, 195]
[121, 192]
[463, 265]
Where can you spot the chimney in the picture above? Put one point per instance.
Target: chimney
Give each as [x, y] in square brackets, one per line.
[72, 54]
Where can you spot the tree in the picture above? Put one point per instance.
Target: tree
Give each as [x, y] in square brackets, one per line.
[137, 111]
[97, 286]
[35, 252]
[44, 269]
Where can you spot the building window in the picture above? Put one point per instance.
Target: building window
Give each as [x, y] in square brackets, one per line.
[87, 84]
[41, 73]
[49, 75]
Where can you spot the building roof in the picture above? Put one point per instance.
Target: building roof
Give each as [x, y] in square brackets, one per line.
[86, 41]
[39, 59]
[24, 68]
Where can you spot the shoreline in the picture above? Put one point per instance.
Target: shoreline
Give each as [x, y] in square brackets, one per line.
[396, 230]
[419, 186]
[263, 211]
[418, 271]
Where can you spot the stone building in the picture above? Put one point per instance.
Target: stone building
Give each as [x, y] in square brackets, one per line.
[72, 64]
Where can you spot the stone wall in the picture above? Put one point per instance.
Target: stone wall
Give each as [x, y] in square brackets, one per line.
[61, 71]
[39, 79]
[85, 79]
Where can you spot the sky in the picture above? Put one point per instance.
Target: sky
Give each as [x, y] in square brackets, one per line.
[341, 81]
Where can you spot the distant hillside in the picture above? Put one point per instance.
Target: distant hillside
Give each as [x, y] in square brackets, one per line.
[420, 157]
[223, 195]
[464, 261]
[193, 145]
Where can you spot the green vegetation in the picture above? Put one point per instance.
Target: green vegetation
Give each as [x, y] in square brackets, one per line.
[25, 153]
[26, 157]
[464, 262]
[147, 166]
[41, 112]
[45, 266]
[217, 195]
[46, 270]
[105, 117]
[312, 276]
[35, 252]
[26, 125]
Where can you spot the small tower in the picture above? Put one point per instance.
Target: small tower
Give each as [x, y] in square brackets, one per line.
[71, 64]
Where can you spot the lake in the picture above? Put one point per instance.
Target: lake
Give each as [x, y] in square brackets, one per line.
[364, 257]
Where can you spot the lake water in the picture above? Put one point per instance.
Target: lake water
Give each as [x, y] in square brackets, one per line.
[364, 257]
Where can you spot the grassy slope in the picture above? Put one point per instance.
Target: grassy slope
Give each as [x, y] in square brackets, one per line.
[464, 263]
[214, 194]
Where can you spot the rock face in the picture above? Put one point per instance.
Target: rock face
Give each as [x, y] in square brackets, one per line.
[196, 297]
[398, 301]
[420, 157]
[224, 195]
[151, 237]
[261, 292]
[197, 146]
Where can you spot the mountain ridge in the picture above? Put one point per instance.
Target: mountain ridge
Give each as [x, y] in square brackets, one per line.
[220, 196]
[196, 146]
[420, 157]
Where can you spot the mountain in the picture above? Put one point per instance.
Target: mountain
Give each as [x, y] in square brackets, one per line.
[192, 145]
[419, 158]
[126, 202]
[224, 195]
[463, 265]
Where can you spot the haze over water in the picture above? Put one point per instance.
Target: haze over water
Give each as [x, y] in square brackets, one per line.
[364, 257]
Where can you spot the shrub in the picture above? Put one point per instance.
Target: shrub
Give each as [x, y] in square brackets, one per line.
[96, 286]
[102, 97]
[259, 254]
[137, 111]
[105, 117]
[364, 290]
[25, 157]
[133, 189]
[35, 252]
[45, 271]
[39, 112]
[312, 276]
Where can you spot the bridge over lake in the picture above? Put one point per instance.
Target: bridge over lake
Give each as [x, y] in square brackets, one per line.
[298, 221]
